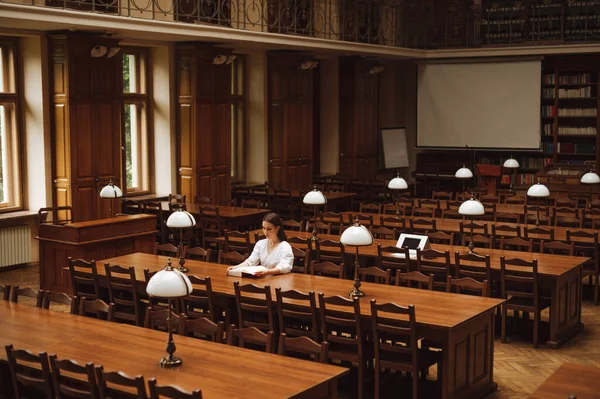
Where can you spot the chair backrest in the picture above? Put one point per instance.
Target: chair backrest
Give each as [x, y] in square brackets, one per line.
[230, 258]
[330, 251]
[327, 269]
[507, 217]
[84, 278]
[293, 225]
[96, 308]
[114, 384]
[320, 227]
[200, 302]
[364, 219]
[297, 313]
[506, 230]
[393, 222]
[27, 292]
[334, 218]
[516, 199]
[557, 247]
[342, 329]
[374, 274]
[157, 319]
[253, 311]
[303, 345]
[202, 200]
[197, 253]
[370, 208]
[460, 285]
[440, 237]
[394, 258]
[429, 203]
[210, 224]
[171, 391]
[478, 267]
[176, 198]
[436, 263]
[61, 298]
[516, 244]
[60, 215]
[426, 212]
[586, 244]
[67, 387]
[251, 203]
[521, 282]
[5, 291]
[442, 195]
[422, 225]
[28, 370]
[251, 335]
[237, 241]
[123, 292]
[477, 228]
[543, 233]
[388, 329]
[302, 250]
[202, 327]
[478, 240]
[167, 249]
[384, 233]
[414, 279]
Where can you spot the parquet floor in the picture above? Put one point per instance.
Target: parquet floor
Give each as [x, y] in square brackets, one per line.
[518, 368]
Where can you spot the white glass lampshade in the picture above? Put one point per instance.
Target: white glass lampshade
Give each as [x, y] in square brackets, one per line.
[357, 235]
[111, 191]
[538, 190]
[181, 219]
[314, 197]
[471, 207]
[169, 283]
[463, 173]
[397, 183]
[590, 178]
[511, 163]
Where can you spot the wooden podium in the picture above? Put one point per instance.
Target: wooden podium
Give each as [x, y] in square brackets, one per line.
[490, 176]
[90, 240]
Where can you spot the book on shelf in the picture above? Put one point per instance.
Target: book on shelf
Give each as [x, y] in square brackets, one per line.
[580, 78]
[583, 92]
[577, 131]
[549, 79]
[577, 112]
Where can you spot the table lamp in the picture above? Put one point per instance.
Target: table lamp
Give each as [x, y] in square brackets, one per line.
[538, 190]
[590, 178]
[181, 219]
[512, 163]
[397, 184]
[357, 236]
[111, 192]
[471, 207]
[463, 173]
[314, 198]
[169, 284]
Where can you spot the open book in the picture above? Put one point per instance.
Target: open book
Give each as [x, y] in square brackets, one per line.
[246, 271]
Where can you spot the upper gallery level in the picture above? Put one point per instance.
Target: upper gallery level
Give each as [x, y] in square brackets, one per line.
[381, 24]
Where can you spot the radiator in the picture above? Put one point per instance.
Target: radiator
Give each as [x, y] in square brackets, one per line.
[15, 245]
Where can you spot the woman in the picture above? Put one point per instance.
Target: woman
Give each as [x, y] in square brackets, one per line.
[272, 252]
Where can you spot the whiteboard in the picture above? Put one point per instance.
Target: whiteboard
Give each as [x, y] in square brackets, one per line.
[393, 142]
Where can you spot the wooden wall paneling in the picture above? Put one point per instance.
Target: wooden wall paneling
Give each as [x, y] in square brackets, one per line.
[204, 136]
[222, 153]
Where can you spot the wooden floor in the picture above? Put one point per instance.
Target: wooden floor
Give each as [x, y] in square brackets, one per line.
[518, 368]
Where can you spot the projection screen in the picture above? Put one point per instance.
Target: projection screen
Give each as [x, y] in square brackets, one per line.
[481, 105]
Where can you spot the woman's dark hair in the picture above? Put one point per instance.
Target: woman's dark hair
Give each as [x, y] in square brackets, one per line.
[275, 220]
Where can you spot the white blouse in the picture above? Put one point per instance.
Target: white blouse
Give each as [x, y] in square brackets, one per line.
[281, 257]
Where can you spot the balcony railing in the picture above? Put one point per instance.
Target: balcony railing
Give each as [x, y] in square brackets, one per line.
[398, 23]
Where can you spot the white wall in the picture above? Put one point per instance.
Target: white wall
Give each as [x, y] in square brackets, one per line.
[257, 149]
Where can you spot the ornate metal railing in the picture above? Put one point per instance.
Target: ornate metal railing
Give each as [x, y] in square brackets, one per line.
[398, 23]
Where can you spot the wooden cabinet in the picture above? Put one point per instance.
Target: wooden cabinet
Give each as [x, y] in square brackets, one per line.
[86, 123]
[358, 119]
[204, 123]
[291, 122]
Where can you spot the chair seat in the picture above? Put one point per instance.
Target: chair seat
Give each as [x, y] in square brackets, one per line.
[348, 352]
[526, 304]
[425, 359]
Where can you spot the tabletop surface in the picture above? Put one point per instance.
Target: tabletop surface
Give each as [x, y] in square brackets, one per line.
[578, 380]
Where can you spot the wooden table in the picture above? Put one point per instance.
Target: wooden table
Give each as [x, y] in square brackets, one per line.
[464, 325]
[219, 370]
[571, 379]
[559, 278]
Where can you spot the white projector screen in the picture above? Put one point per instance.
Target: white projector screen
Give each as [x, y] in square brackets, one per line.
[480, 105]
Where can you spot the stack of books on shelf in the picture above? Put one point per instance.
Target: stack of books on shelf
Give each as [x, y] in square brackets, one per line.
[548, 147]
[584, 92]
[548, 93]
[548, 110]
[576, 148]
[577, 131]
[526, 178]
[577, 112]
[549, 79]
[581, 78]
[548, 129]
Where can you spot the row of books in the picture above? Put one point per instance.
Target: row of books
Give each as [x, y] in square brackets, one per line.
[548, 129]
[576, 148]
[526, 178]
[584, 92]
[580, 78]
[548, 110]
[577, 131]
[577, 112]
[548, 93]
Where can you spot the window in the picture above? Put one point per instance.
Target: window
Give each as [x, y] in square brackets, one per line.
[237, 119]
[135, 122]
[10, 178]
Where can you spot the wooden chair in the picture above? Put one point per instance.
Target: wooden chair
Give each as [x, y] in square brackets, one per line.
[60, 215]
[477, 228]
[374, 274]
[394, 258]
[157, 320]
[557, 248]
[467, 284]
[202, 200]
[211, 226]
[29, 372]
[567, 217]
[428, 203]
[67, 386]
[516, 244]
[422, 225]
[230, 258]
[422, 281]
[203, 328]
[96, 308]
[425, 212]
[590, 268]
[200, 302]
[327, 268]
[334, 219]
[131, 207]
[297, 314]
[507, 217]
[370, 208]
[155, 208]
[115, 384]
[252, 310]
[516, 200]
[479, 240]
[387, 331]
[364, 219]
[489, 199]
[251, 335]
[384, 233]
[591, 216]
[237, 241]
[542, 233]
[302, 250]
[293, 225]
[393, 222]
[303, 345]
[251, 203]
[505, 231]
[393, 209]
[72, 302]
[531, 211]
[330, 251]
[167, 249]
[176, 199]
[123, 292]
[451, 214]
[84, 278]
[442, 195]
[170, 392]
[197, 253]
[563, 202]
[5, 291]
[436, 263]
[27, 292]
[481, 272]
[439, 237]
[320, 227]
[344, 333]
[520, 289]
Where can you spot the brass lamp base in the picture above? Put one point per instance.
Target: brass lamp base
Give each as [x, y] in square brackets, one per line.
[355, 293]
[170, 361]
[182, 267]
[471, 247]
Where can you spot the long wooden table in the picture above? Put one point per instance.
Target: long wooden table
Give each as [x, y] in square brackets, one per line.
[559, 278]
[219, 370]
[578, 380]
[464, 325]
